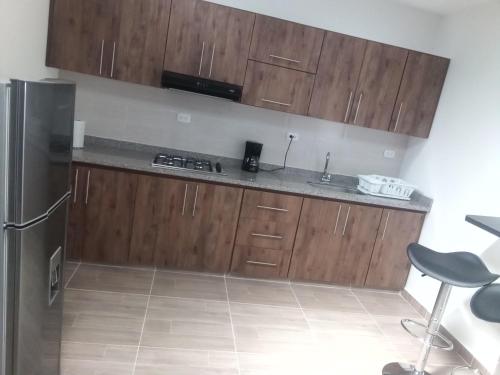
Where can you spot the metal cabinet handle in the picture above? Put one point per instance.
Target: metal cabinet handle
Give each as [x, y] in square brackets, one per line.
[285, 59]
[357, 109]
[346, 117]
[195, 199]
[272, 208]
[346, 220]
[212, 62]
[102, 54]
[185, 197]
[385, 227]
[261, 263]
[201, 58]
[76, 186]
[399, 116]
[87, 190]
[337, 222]
[113, 60]
[274, 237]
[275, 102]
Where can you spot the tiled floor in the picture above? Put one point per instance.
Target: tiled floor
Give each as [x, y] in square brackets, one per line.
[149, 322]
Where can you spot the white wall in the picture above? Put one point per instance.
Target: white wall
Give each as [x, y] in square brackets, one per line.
[23, 39]
[146, 115]
[459, 166]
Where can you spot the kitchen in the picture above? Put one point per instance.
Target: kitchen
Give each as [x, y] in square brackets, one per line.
[215, 269]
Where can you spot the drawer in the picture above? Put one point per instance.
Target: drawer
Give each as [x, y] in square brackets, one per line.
[264, 206]
[277, 88]
[257, 262]
[266, 234]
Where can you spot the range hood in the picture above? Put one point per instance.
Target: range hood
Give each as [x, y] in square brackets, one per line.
[171, 80]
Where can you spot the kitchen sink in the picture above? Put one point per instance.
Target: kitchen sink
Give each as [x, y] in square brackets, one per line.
[344, 184]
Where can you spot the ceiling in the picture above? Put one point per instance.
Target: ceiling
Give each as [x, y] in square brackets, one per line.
[443, 6]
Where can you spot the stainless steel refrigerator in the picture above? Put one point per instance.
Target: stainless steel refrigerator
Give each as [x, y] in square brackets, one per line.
[36, 120]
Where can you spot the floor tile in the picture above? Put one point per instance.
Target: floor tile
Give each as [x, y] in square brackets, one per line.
[188, 324]
[102, 317]
[158, 361]
[171, 284]
[332, 323]
[381, 303]
[261, 292]
[69, 268]
[112, 279]
[321, 298]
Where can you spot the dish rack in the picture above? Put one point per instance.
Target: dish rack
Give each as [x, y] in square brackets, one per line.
[382, 186]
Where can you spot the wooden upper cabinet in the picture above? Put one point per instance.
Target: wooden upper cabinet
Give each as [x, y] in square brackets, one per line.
[277, 88]
[378, 86]
[140, 48]
[208, 40]
[390, 265]
[286, 44]
[337, 78]
[419, 94]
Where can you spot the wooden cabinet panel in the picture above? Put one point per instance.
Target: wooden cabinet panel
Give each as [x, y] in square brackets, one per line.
[337, 78]
[286, 44]
[390, 265]
[76, 218]
[277, 88]
[109, 208]
[142, 38]
[378, 86]
[419, 94]
[271, 207]
[260, 262]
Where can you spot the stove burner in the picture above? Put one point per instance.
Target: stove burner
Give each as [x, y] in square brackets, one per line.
[179, 162]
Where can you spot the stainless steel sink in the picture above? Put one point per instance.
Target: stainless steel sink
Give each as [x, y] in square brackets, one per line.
[344, 184]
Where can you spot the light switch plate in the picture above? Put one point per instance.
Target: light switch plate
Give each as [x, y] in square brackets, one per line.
[184, 118]
[389, 154]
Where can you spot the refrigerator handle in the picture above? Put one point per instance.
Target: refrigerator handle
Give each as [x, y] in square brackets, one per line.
[6, 156]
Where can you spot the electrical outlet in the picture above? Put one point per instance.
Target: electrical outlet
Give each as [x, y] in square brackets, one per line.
[184, 118]
[294, 135]
[389, 154]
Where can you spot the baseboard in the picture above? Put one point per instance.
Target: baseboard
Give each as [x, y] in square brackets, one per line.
[459, 348]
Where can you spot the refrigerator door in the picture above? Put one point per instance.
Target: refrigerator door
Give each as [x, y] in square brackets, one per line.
[40, 131]
[37, 324]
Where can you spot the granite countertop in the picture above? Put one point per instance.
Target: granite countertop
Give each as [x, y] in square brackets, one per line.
[136, 157]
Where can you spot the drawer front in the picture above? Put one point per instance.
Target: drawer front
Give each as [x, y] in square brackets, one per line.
[277, 88]
[269, 207]
[266, 234]
[257, 262]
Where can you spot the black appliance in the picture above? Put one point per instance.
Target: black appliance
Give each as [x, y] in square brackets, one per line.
[171, 80]
[253, 150]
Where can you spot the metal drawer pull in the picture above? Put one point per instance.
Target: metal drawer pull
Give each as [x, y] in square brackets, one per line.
[275, 102]
[201, 58]
[184, 204]
[357, 109]
[267, 236]
[76, 186]
[261, 263]
[386, 222]
[273, 208]
[195, 199]
[346, 220]
[399, 116]
[285, 59]
[87, 192]
[212, 62]
[102, 53]
[113, 60]
[337, 222]
[348, 107]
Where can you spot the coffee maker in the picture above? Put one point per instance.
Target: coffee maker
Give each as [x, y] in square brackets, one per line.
[253, 150]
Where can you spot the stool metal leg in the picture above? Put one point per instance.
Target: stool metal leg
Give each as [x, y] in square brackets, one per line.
[432, 329]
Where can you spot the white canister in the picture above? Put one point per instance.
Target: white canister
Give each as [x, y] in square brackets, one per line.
[79, 134]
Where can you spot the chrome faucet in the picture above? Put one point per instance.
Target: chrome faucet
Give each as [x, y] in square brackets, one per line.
[327, 177]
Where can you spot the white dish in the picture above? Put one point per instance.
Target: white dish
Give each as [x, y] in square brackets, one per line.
[364, 191]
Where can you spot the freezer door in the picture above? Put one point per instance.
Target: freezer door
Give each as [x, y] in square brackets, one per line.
[39, 253]
[40, 143]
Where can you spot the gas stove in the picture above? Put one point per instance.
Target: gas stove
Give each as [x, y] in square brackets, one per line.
[186, 163]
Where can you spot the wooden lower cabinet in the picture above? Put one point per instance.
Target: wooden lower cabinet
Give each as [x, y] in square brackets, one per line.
[185, 225]
[76, 218]
[390, 265]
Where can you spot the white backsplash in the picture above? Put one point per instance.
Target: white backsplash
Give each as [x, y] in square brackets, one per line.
[141, 114]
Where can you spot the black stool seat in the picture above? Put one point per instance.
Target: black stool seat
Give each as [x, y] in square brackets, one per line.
[460, 269]
[485, 303]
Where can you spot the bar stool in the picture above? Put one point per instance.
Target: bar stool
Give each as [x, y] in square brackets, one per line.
[460, 269]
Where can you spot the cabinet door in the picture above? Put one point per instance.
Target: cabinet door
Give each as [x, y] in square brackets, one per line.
[389, 266]
[76, 218]
[419, 94]
[142, 38]
[318, 243]
[337, 78]
[378, 86]
[286, 44]
[188, 41]
[227, 53]
[277, 88]
[109, 208]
